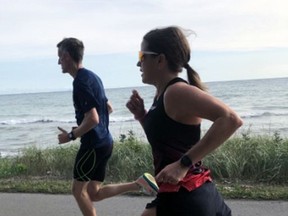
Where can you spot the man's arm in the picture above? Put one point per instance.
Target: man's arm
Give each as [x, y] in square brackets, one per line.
[110, 108]
[91, 119]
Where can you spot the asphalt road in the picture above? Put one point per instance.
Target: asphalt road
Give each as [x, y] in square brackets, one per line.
[15, 204]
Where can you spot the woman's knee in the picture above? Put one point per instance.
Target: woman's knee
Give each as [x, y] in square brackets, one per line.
[149, 212]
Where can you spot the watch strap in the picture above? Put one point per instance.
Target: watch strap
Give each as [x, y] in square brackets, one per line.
[71, 136]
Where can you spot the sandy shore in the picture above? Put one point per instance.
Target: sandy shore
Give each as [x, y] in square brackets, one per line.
[15, 204]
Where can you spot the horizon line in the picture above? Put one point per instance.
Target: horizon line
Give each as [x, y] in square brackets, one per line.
[38, 91]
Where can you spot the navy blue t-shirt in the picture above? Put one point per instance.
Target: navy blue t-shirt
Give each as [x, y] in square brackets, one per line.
[88, 92]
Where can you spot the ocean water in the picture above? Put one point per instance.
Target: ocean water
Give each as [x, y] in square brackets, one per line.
[32, 119]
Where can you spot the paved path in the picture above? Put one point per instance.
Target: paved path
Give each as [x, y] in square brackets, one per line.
[15, 204]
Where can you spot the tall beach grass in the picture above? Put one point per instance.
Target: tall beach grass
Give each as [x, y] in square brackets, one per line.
[245, 158]
[251, 158]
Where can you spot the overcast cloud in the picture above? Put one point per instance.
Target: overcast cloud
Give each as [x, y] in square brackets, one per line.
[244, 39]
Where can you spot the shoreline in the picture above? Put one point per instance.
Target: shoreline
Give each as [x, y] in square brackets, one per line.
[117, 129]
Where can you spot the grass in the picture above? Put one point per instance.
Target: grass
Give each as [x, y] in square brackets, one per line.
[246, 167]
[258, 159]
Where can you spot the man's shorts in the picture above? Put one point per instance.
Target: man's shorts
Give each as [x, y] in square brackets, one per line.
[90, 164]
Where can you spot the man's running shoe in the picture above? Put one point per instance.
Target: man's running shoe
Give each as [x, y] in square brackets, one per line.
[148, 184]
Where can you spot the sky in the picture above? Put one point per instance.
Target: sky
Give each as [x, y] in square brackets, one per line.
[233, 40]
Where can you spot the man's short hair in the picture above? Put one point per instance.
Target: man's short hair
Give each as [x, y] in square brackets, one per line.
[74, 47]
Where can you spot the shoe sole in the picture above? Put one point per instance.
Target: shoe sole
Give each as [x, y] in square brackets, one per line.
[151, 184]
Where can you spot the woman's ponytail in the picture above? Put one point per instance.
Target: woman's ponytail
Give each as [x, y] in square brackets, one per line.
[194, 78]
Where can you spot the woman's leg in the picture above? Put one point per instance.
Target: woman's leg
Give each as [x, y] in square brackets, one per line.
[151, 208]
[149, 212]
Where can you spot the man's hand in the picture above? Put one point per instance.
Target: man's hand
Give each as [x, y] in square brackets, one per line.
[63, 137]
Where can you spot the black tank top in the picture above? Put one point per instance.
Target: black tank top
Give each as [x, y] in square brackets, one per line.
[169, 139]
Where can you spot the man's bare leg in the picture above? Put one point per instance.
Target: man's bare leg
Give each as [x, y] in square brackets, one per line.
[98, 192]
[82, 197]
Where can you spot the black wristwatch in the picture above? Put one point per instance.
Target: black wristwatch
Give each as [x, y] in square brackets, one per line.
[71, 136]
[186, 161]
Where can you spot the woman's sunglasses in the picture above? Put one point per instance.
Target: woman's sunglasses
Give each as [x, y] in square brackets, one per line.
[141, 55]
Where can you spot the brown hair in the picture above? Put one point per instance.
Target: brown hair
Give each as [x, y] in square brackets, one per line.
[172, 42]
[74, 47]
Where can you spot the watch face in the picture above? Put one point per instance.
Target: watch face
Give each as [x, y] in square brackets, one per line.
[71, 136]
[186, 161]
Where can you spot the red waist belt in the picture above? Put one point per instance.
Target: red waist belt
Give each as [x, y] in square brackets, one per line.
[190, 182]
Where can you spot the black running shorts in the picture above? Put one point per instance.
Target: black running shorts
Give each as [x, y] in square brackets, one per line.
[90, 164]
